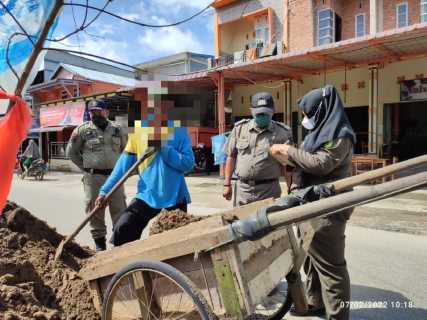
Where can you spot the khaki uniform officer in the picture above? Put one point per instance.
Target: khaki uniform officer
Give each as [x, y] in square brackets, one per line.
[248, 153]
[324, 156]
[94, 147]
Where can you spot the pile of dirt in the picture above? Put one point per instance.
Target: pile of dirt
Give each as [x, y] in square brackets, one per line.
[32, 285]
[168, 220]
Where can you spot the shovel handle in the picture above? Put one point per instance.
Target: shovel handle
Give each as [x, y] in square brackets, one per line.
[149, 152]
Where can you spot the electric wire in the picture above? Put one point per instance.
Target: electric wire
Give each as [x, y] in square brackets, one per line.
[141, 24]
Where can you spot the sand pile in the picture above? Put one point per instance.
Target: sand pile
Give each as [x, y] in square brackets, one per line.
[168, 220]
[32, 285]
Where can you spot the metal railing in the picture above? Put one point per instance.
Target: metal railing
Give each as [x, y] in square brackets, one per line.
[57, 150]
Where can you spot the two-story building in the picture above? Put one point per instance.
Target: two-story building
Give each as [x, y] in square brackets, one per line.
[373, 51]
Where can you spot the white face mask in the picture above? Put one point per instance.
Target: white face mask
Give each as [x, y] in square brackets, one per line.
[308, 123]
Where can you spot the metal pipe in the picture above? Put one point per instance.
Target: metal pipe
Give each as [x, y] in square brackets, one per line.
[346, 200]
[350, 182]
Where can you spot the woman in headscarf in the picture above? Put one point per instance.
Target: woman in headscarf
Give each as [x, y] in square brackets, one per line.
[324, 156]
[30, 154]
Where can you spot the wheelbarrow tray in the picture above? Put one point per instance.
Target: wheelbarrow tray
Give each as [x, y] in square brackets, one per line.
[233, 278]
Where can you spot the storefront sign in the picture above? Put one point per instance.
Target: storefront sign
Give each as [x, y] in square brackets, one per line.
[70, 114]
[413, 90]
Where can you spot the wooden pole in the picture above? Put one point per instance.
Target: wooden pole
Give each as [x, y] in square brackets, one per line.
[221, 110]
[38, 46]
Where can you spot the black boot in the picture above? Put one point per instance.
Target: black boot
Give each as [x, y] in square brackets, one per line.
[100, 244]
[311, 312]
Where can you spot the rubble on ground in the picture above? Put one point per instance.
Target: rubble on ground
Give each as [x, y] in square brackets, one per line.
[32, 284]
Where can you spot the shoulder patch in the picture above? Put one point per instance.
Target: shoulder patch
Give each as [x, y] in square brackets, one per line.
[83, 126]
[238, 123]
[330, 144]
[281, 124]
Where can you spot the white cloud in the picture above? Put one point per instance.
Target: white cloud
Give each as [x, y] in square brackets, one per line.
[105, 47]
[183, 8]
[169, 40]
[177, 4]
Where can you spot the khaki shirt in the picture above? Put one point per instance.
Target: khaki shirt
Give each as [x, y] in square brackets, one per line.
[250, 146]
[93, 148]
[330, 163]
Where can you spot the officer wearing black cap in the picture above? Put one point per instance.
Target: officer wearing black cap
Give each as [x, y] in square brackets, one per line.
[94, 147]
[248, 153]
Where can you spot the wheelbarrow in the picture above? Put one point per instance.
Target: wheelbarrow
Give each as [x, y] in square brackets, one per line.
[202, 271]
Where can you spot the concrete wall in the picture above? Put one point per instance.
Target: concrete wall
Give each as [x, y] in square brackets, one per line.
[414, 14]
[236, 35]
[245, 31]
[301, 25]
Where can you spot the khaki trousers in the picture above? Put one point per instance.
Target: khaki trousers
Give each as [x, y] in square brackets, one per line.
[117, 204]
[328, 282]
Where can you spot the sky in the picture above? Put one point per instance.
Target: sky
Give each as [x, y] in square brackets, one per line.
[131, 44]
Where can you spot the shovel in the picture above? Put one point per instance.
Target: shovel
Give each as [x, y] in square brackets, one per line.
[149, 152]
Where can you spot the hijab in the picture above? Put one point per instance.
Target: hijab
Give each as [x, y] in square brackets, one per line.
[32, 150]
[330, 120]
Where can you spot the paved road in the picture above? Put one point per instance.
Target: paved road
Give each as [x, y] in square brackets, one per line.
[386, 267]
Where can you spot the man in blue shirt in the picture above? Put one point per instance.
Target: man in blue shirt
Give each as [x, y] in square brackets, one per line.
[161, 183]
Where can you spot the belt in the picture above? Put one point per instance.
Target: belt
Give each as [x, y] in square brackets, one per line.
[105, 172]
[253, 182]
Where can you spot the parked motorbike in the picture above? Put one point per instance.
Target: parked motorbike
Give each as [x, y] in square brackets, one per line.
[37, 169]
[203, 159]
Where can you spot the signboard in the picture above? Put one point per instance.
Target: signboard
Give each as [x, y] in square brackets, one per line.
[411, 90]
[70, 114]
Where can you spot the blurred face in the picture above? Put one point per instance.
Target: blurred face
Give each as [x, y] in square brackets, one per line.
[98, 113]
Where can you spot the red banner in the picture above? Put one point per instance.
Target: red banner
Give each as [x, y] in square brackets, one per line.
[70, 114]
[13, 129]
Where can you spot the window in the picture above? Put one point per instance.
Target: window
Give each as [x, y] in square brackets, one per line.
[262, 31]
[64, 95]
[401, 15]
[76, 93]
[423, 10]
[325, 27]
[360, 25]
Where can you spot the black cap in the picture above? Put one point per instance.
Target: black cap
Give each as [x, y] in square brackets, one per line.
[96, 105]
[262, 102]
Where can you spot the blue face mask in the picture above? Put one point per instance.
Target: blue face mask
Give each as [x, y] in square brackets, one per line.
[262, 120]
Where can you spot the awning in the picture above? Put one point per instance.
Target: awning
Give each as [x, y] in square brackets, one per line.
[49, 129]
[386, 47]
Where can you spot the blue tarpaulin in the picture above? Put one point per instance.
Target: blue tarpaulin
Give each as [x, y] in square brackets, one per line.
[218, 150]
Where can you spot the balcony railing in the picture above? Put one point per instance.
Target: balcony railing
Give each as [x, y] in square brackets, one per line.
[249, 54]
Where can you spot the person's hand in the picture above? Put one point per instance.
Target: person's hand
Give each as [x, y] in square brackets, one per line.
[227, 192]
[276, 149]
[100, 201]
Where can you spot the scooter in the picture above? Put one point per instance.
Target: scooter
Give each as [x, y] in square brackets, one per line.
[37, 169]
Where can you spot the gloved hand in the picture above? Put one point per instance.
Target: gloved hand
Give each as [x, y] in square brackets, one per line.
[256, 225]
[253, 227]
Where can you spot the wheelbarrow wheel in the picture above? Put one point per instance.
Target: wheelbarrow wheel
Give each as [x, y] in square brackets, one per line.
[284, 309]
[152, 290]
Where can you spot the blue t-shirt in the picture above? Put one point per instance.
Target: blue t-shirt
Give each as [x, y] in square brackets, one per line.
[161, 182]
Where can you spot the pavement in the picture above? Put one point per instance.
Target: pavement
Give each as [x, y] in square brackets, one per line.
[386, 241]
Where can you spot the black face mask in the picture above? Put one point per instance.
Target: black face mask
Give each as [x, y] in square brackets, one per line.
[99, 121]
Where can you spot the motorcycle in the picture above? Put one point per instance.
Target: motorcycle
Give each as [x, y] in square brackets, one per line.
[203, 159]
[37, 169]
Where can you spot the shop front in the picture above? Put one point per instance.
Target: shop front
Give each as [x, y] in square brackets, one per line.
[405, 122]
